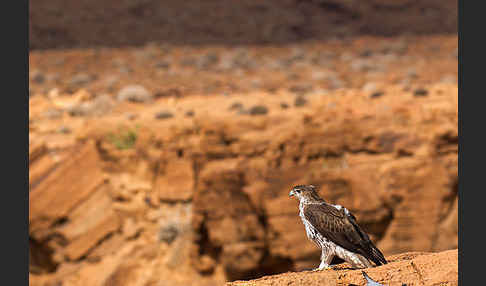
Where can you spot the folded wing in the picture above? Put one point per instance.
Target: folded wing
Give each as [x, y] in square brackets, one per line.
[341, 228]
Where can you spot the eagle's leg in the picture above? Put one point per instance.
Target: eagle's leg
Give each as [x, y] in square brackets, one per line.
[326, 258]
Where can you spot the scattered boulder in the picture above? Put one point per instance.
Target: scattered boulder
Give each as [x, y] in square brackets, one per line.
[164, 114]
[420, 92]
[100, 105]
[376, 94]
[236, 106]
[258, 110]
[300, 101]
[37, 77]
[369, 87]
[190, 113]
[300, 89]
[135, 93]
[168, 233]
[81, 79]
[53, 113]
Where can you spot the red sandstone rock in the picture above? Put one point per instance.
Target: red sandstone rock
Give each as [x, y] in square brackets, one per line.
[408, 268]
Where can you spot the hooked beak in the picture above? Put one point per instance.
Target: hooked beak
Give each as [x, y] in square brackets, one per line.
[291, 194]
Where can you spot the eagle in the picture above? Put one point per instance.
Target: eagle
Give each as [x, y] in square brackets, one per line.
[334, 229]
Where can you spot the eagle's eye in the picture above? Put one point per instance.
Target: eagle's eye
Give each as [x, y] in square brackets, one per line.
[298, 191]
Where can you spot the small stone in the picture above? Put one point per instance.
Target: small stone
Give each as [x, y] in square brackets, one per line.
[369, 87]
[377, 94]
[53, 113]
[363, 65]
[53, 93]
[168, 234]
[420, 92]
[81, 79]
[190, 113]
[37, 76]
[101, 105]
[271, 89]
[82, 95]
[300, 89]
[134, 93]
[258, 110]
[163, 115]
[171, 92]
[284, 105]
[236, 106]
[79, 110]
[300, 101]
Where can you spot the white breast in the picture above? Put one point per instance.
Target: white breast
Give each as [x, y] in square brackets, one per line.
[313, 234]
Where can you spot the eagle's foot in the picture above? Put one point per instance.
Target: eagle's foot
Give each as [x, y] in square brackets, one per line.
[323, 267]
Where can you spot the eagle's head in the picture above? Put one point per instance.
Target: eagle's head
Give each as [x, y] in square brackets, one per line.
[305, 193]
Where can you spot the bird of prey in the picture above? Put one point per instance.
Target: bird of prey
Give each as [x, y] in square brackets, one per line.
[334, 229]
[369, 281]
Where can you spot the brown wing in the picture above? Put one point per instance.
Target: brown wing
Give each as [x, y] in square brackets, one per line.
[342, 229]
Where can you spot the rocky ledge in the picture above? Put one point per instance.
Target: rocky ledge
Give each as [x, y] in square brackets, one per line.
[413, 268]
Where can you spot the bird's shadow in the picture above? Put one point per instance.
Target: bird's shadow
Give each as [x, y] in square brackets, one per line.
[344, 268]
[332, 268]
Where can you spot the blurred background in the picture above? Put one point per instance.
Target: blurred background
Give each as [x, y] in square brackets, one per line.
[164, 136]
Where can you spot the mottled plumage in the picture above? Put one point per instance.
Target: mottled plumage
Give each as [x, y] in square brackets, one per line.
[334, 229]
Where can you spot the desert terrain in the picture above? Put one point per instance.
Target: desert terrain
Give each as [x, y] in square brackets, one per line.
[170, 163]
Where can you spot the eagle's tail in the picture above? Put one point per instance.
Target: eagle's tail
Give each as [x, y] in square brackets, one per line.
[376, 256]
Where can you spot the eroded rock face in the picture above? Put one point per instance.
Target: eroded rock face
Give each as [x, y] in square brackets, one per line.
[205, 198]
[218, 203]
[395, 169]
